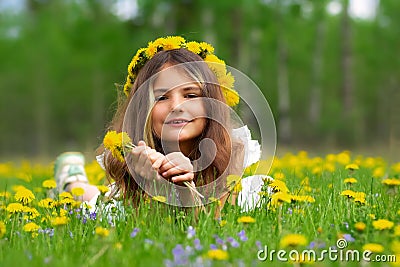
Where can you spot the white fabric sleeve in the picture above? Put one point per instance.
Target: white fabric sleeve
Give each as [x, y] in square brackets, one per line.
[100, 160]
[249, 198]
[252, 149]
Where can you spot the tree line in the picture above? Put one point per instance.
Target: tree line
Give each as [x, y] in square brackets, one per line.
[330, 79]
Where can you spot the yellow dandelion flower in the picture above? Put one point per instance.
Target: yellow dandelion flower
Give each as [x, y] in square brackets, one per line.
[396, 167]
[343, 158]
[231, 96]
[279, 186]
[317, 170]
[31, 227]
[206, 47]
[63, 212]
[280, 197]
[246, 219]
[373, 247]
[159, 199]
[217, 254]
[15, 208]
[382, 224]
[391, 182]
[65, 195]
[77, 191]
[352, 167]
[16, 188]
[397, 230]
[348, 193]
[350, 180]
[59, 220]
[329, 167]
[24, 196]
[67, 201]
[173, 42]
[152, 49]
[216, 65]
[309, 199]
[292, 240]
[111, 139]
[378, 172]
[32, 213]
[2, 229]
[395, 247]
[5, 194]
[47, 203]
[103, 232]
[279, 176]
[359, 197]
[360, 226]
[222, 223]
[49, 184]
[115, 142]
[193, 47]
[233, 183]
[103, 189]
[118, 246]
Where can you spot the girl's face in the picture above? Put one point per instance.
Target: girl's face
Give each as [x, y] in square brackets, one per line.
[178, 114]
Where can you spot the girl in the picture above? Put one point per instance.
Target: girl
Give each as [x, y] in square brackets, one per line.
[176, 94]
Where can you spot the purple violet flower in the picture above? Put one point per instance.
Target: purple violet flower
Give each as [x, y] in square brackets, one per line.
[242, 236]
[135, 232]
[348, 238]
[197, 245]
[191, 232]
[180, 255]
[233, 242]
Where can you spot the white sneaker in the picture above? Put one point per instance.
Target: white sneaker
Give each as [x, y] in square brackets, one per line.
[69, 167]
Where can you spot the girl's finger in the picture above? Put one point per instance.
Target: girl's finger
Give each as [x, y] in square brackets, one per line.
[182, 178]
[141, 143]
[174, 171]
[157, 163]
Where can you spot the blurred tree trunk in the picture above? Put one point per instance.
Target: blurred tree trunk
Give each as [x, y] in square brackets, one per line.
[284, 121]
[236, 39]
[317, 65]
[98, 107]
[394, 111]
[40, 105]
[207, 18]
[346, 62]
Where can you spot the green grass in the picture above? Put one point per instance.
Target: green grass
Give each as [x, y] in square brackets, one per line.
[163, 229]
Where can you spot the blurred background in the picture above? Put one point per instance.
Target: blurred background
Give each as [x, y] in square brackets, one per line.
[330, 69]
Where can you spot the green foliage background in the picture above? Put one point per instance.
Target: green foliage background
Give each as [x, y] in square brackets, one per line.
[60, 60]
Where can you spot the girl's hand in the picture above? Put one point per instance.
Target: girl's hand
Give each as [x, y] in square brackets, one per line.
[146, 161]
[178, 167]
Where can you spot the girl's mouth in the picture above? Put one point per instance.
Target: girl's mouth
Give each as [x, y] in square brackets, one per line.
[177, 122]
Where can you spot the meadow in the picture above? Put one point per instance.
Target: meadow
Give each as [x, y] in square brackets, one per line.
[335, 210]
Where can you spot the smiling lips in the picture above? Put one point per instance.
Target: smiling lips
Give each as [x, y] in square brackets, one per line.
[178, 122]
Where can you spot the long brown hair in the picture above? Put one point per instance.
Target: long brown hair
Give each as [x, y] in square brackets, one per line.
[216, 129]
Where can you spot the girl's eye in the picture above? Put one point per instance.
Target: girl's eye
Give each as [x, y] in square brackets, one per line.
[191, 96]
[161, 97]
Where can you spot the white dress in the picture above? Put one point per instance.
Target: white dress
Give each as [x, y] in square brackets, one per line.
[248, 197]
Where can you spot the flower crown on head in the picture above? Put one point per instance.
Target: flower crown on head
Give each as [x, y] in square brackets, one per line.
[203, 49]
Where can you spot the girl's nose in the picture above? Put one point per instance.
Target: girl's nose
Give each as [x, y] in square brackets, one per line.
[177, 104]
